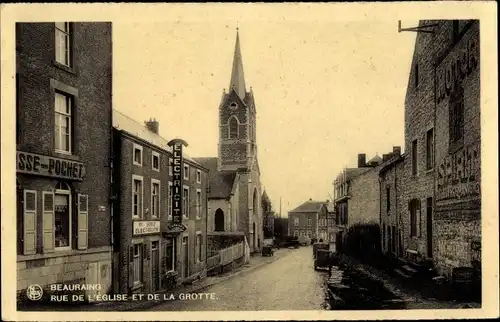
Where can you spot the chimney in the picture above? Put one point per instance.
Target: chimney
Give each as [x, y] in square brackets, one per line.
[152, 125]
[386, 157]
[310, 199]
[396, 150]
[361, 160]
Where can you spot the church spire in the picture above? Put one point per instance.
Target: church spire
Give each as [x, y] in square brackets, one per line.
[237, 76]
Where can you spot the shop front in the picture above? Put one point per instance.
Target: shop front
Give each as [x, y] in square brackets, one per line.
[54, 208]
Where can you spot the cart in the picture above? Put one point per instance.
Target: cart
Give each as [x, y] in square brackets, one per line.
[322, 259]
[318, 246]
[267, 251]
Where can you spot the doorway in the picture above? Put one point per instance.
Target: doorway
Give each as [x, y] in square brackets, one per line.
[429, 227]
[185, 251]
[155, 266]
[253, 236]
[219, 220]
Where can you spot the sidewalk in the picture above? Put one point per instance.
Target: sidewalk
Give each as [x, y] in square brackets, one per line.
[256, 262]
[413, 298]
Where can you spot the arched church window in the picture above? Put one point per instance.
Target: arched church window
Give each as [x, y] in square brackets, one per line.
[233, 127]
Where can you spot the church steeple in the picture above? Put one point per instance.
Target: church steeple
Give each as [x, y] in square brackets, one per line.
[237, 75]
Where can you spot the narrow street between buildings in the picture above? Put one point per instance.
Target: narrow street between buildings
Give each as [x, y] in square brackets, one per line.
[290, 283]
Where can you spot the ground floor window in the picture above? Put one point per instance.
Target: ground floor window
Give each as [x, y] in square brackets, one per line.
[137, 262]
[309, 234]
[63, 216]
[296, 233]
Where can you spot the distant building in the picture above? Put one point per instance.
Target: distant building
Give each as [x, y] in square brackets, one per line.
[235, 188]
[145, 247]
[305, 220]
[331, 221]
[357, 194]
[63, 159]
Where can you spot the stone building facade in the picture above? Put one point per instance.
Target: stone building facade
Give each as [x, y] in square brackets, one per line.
[392, 209]
[458, 150]
[63, 159]
[356, 195]
[442, 138]
[146, 248]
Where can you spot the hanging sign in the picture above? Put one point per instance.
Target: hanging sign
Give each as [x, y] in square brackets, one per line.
[177, 180]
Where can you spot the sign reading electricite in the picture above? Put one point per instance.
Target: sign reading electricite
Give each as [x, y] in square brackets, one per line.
[177, 180]
[44, 165]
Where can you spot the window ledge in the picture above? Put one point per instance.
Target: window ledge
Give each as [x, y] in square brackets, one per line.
[66, 155]
[71, 70]
[61, 253]
[137, 286]
[429, 170]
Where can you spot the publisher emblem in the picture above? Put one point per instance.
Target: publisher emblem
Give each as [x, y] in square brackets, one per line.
[34, 292]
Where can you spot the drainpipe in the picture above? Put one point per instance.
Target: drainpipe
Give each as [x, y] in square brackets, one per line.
[398, 251]
[111, 183]
[206, 225]
[380, 209]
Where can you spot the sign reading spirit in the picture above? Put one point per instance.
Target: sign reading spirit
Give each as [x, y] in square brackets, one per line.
[44, 165]
[177, 180]
[459, 64]
[458, 174]
[146, 227]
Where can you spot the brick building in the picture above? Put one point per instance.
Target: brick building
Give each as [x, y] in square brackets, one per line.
[305, 220]
[145, 247]
[442, 137]
[64, 111]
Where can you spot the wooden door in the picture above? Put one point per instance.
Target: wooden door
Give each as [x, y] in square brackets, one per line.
[155, 266]
[429, 227]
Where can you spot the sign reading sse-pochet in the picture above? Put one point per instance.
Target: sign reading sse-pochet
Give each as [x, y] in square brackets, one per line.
[44, 165]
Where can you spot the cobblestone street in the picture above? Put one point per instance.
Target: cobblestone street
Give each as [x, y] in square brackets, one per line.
[290, 283]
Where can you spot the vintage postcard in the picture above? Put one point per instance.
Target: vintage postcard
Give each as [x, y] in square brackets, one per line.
[249, 161]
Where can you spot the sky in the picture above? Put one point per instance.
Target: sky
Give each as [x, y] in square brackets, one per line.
[325, 91]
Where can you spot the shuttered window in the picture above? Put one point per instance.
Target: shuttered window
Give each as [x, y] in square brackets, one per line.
[83, 215]
[48, 221]
[29, 214]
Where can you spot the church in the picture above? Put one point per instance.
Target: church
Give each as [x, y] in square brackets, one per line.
[234, 200]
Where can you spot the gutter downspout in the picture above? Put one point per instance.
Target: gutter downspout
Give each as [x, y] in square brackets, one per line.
[111, 175]
[207, 191]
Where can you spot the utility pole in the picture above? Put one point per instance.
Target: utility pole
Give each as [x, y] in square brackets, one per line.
[280, 206]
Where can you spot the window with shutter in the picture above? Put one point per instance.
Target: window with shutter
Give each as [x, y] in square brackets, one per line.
[29, 214]
[131, 265]
[48, 221]
[83, 215]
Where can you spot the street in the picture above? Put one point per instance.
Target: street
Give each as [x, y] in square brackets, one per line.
[290, 283]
